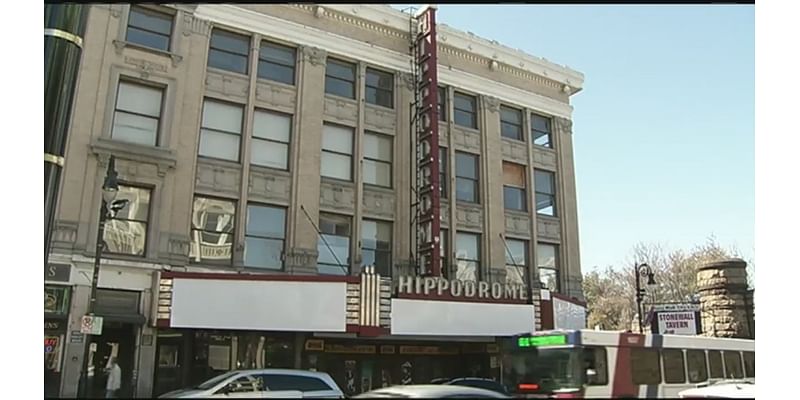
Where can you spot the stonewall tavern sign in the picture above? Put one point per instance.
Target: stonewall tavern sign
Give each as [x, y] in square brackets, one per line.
[446, 289]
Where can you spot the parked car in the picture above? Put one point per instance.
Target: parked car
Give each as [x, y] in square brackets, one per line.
[725, 389]
[481, 383]
[432, 392]
[265, 384]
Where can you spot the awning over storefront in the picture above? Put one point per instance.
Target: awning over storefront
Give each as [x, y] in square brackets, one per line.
[426, 317]
[258, 305]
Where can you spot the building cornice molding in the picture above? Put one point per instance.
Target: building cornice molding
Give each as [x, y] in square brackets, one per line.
[510, 60]
[268, 25]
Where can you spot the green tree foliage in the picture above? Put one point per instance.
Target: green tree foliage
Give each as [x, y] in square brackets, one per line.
[610, 293]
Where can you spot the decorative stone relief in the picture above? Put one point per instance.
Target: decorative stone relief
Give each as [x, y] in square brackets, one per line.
[342, 110]
[563, 125]
[178, 246]
[379, 203]
[227, 85]
[65, 234]
[115, 10]
[466, 140]
[408, 80]
[337, 196]
[548, 228]
[145, 67]
[380, 120]
[516, 152]
[545, 159]
[218, 179]
[301, 260]
[492, 104]
[314, 55]
[518, 224]
[445, 213]
[276, 95]
[269, 186]
[197, 25]
[470, 217]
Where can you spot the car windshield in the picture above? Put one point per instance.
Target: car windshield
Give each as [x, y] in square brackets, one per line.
[545, 370]
[215, 381]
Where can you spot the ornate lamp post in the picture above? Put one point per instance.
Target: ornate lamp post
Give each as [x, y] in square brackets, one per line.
[642, 270]
[109, 207]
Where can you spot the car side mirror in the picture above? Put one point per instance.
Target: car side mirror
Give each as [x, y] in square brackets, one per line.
[227, 389]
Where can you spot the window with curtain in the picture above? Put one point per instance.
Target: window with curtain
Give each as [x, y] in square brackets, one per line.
[514, 193]
[137, 113]
[271, 136]
[221, 130]
[337, 152]
[377, 161]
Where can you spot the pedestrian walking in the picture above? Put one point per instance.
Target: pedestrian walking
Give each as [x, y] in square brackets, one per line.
[114, 379]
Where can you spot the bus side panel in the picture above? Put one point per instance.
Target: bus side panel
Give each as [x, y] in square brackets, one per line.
[604, 391]
[623, 386]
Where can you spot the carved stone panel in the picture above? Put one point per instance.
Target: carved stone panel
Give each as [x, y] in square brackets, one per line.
[545, 159]
[563, 125]
[444, 134]
[549, 228]
[299, 261]
[380, 120]
[515, 151]
[221, 179]
[445, 213]
[175, 248]
[379, 203]
[276, 96]
[518, 224]
[269, 185]
[466, 140]
[337, 196]
[227, 85]
[469, 216]
[64, 235]
[341, 110]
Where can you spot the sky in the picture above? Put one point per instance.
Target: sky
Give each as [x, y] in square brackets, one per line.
[664, 128]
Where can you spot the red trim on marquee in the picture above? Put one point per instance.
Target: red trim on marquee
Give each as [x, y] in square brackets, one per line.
[260, 277]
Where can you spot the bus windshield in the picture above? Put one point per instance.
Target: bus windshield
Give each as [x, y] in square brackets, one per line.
[542, 370]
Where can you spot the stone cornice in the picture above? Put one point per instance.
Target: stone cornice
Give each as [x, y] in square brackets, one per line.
[381, 17]
[279, 28]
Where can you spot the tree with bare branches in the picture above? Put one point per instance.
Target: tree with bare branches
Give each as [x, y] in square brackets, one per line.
[611, 293]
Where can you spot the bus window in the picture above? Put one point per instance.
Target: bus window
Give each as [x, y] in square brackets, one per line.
[645, 368]
[715, 364]
[594, 358]
[733, 364]
[674, 371]
[750, 364]
[696, 359]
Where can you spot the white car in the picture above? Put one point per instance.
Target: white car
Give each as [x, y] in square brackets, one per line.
[722, 390]
[264, 384]
[432, 392]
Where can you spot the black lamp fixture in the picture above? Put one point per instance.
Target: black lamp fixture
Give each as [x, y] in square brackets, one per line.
[642, 270]
[109, 208]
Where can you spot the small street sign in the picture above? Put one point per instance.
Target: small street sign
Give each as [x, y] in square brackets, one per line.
[92, 325]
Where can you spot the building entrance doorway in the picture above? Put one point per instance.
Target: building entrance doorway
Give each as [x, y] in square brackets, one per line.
[118, 340]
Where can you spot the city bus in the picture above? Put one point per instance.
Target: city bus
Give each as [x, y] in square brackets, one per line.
[592, 364]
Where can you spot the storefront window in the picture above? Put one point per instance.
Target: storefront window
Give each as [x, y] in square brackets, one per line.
[256, 351]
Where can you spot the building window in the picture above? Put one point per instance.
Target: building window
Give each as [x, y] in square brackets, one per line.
[516, 261]
[271, 135]
[750, 364]
[340, 78]
[229, 51]
[376, 246]
[442, 104]
[443, 176]
[333, 244]
[149, 28]
[733, 364]
[674, 371]
[277, 62]
[337, 152]
[547, 266]
[467, 178]
[126, 233]
[540, 128]
[644, 366]
[514, 196]
[511, 123]
[465, 110]
[137, 114]
[221, 131]
[264, 236]
[444, 252]
[696, 366]
[377, 159]
[545, 184]
[468, 256]
[595, 358]
[213, 222]
[715, 364]
[379, 88]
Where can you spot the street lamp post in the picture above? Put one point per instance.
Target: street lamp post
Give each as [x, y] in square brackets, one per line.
[109, 207]
[640, 271]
